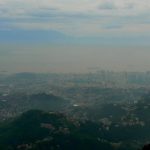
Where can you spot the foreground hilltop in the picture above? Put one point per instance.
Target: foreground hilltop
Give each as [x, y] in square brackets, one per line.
[39, 130]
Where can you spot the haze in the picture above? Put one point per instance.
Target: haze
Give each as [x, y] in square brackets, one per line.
[74, 36]
[72, 58]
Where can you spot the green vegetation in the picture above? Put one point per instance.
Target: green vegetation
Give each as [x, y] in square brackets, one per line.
[76, 112]
[38, 130]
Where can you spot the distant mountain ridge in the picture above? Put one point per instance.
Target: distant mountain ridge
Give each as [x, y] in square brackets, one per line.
[28, 36]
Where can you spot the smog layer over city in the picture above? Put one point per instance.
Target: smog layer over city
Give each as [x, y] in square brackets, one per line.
[74, 75]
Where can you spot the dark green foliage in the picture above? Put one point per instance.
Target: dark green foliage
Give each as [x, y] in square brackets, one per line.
[26, 132]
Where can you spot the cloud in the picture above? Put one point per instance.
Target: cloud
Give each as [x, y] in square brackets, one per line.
[112, 26]
[107, 5]
[76, 17]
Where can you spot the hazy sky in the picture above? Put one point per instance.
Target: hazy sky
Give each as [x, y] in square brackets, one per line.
[78, 17]
[73, 35]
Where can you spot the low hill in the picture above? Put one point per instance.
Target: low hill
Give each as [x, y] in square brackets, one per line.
[17, 103]
[47, 102]
[38, 130]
